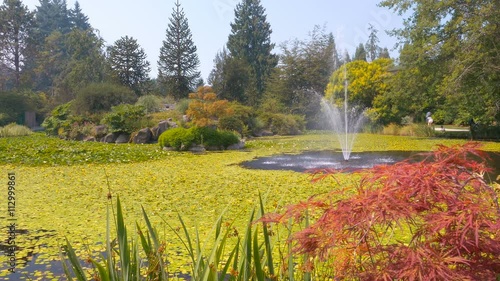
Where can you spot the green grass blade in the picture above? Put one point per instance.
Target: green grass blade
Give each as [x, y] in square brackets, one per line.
[65, 267]
[75, 263]
[307, 275]
[162, 274]
[290, 253]
[103, 272]
[246, 258]
[236, 256]
[122, 242]
[109, 250]
[267, 240]
[259, 272]
[225, 269]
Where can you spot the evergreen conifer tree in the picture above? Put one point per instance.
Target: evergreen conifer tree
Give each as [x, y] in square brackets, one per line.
[371, 47]
[78, 19]
[250, 41]
[178, 62]
[128, 61]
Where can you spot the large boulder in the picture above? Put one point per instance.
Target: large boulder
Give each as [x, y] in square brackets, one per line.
[89, 138]
[100, 131]
[143, 136]
[237, 146]
[123, 138]
[110, 138]
[158, 130]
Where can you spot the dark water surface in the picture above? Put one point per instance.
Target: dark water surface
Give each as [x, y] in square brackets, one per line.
[333, 159]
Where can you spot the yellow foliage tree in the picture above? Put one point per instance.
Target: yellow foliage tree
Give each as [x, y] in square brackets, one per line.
[204, 109]
[366, 80]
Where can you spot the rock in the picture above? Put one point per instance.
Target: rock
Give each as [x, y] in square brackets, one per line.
[214, 148]
[197, 148]
[123, 138]
[185, 118]
[100, 131]
[89, 138]
[110, 138]
[266, 133]
[237, 146]
[158, 130]
[143, 136]
[172, 124]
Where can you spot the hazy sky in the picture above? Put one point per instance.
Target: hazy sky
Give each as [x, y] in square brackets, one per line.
[209, 21]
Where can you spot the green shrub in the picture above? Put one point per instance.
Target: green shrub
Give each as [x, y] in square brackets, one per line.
[101, 97]
[283, 124]
[182, 106]
[423, 130]
[183, 139]
[177, 138]
[125, 118]
[59, 120]
[231, 123]
[228, 138]
[151, 103]
[165, 115]
[485, 132]
[12, 107]
[14, 130]
[391, 129]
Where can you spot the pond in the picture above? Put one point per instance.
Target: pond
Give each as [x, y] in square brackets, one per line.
[311, 160]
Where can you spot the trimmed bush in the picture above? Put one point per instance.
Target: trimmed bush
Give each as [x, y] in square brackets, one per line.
[183, 139]
[177, 138]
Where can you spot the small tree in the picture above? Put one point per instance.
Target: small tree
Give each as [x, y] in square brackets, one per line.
[205, 109]
[437, 219]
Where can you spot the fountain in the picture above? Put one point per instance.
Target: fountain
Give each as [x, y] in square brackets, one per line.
[344, 121]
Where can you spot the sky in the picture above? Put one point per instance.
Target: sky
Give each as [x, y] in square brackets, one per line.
[209, 21]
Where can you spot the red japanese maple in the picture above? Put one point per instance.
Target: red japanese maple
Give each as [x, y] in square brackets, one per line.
[437, 219]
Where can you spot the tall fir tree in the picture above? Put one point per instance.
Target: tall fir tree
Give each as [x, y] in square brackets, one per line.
[250, 41]
[52, 15]
[129, 62]
[16, 22]
[78, 19]
[178, 62]
[371, 46]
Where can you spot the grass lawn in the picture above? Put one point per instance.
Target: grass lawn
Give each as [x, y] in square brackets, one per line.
[62, 187]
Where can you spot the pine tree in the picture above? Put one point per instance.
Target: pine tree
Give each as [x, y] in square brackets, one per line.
[360, 53]
[128, 61]
[250, 41]
[78, 19]
[178, 62]
[16, 22]
[52, 15]
[371, 46]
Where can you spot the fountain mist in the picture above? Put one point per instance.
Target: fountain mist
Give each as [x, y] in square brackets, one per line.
[344, 121]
